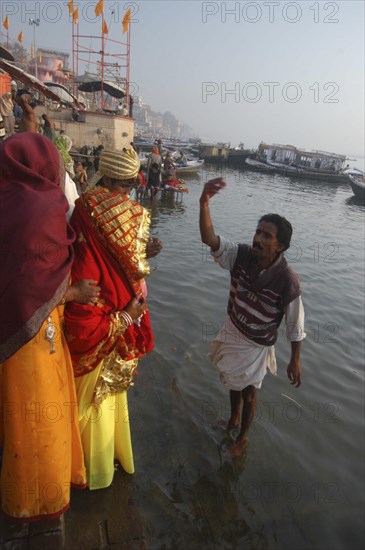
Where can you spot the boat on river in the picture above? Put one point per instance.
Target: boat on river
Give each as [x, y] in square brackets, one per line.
[357, 182]
[290, 161]
[191, 167]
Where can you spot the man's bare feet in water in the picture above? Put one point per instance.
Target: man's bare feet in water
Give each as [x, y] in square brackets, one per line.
[221, 423]
[238, 447]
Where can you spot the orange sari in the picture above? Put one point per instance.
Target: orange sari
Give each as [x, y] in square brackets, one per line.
[39, 426]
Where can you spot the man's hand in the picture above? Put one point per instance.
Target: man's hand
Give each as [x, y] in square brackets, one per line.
[28, 122]
[24, 102]
[153, 247]
[294, 373]
[211, 188]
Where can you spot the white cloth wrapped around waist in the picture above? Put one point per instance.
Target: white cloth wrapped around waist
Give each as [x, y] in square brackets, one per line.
[240, 361]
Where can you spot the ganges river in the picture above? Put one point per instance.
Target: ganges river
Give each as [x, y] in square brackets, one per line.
[300, 483]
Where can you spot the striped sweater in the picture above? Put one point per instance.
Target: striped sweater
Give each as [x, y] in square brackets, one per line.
[257, 299]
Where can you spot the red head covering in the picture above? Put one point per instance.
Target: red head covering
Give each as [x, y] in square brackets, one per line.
[35, 239]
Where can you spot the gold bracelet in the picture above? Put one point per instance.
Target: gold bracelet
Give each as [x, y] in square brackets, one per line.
[63, 301]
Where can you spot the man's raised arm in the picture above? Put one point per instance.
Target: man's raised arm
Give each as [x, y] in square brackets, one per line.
[208, 236]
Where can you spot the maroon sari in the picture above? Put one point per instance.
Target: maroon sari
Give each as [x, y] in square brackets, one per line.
[35, 239]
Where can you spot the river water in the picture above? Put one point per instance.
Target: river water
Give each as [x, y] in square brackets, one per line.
[300, 483]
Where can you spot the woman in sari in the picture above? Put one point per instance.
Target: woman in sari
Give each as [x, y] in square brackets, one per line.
[39, 434]
[6, 111]
[107, 340]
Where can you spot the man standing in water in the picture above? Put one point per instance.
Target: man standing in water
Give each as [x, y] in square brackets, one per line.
[263, 290]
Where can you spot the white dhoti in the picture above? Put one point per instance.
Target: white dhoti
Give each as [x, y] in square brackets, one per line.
[240, 361]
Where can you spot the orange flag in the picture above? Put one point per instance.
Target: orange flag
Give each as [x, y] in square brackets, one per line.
[70, 7]
[75, 17]
[6, 23]
[60, 66]
[126, 20]
[105, 29]
[20, 37]
[40, 56]
[99, 8]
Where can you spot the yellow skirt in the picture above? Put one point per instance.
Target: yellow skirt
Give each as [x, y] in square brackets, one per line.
[105, 432]
[39, 433]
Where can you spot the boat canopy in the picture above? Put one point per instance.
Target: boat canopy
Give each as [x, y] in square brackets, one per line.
[5, 54]
[64, 95]
[111, 88]
[28, 80]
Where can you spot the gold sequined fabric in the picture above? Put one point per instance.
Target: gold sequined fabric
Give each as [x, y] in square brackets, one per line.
[116, 376]
[124, 225]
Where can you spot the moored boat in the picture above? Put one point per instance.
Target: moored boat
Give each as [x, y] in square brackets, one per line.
[290, 161]
[191, 167]
[357, 182]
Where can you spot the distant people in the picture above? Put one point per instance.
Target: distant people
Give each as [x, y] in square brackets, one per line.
[75, 115]
[81, 177]
[183, 159]
[159, 146]
[154, 158]
[48, 127]
[64, 144]
[6, 111]
[141, 185]
[122, 109]
[97, 154]
[169, 167]
[153, 182]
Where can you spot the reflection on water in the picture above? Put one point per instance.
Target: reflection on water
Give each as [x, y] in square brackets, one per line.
[299, 485]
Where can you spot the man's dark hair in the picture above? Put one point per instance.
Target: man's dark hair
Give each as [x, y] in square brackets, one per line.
[283, 227]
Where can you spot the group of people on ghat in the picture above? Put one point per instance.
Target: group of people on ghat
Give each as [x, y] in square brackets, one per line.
[75, 319]
[160, 175]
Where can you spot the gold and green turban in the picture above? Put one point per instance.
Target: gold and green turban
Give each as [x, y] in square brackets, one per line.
[119, 165]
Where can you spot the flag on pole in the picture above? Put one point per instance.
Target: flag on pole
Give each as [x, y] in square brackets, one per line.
[75, 16]
[40, 56]
[99, 8]
[32, 51]
[105, 27]
[20, 37]
[70, 7]
[6, 23]
[126, 20]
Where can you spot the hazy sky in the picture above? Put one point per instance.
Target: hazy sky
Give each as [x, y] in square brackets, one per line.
[283, 72]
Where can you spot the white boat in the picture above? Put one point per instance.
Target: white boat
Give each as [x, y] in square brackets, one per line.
[191, 167]
[357, 182]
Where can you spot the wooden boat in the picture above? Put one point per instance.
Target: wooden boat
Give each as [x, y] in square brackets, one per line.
[256, 165]
[191, 167]
[357, 182]
[295, 162]
[295, 171]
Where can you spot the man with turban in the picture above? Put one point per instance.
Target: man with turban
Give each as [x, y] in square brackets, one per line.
[107, 340]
